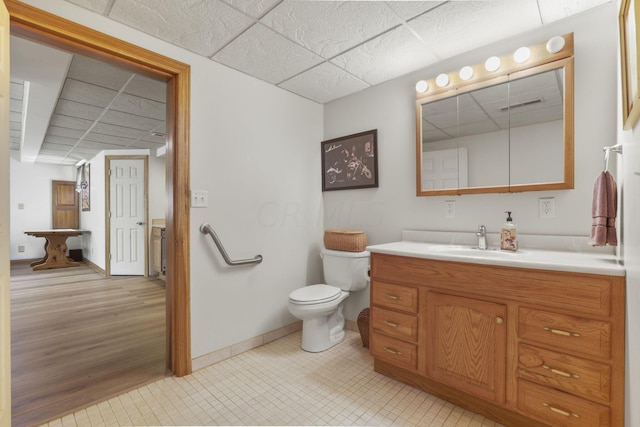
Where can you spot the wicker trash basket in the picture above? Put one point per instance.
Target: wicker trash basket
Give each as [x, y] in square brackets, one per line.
[345, 240]
[363, 326]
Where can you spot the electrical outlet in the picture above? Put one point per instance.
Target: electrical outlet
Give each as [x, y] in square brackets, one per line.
[20, 206]
[199, 199]
[449, 208]
[20, 248]
[547, 207]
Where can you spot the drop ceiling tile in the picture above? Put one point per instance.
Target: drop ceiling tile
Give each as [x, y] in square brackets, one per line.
[97, 73]
[76, 123]
[391, 55]
[267, 55]
[147, 88]
[410, 9]
[203, 27]
[117, 131]
[16, 91]
[72, 134]
[109, 144]
[324, 83]
[458, 27]
[138, 106]
[76, 109]
[343, 24]
[85, 93]
[59, 140]
[135, 122]
[99, 6]
[252, 8]
[554, 10]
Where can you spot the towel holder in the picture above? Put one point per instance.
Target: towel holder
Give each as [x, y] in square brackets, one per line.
[607, 150]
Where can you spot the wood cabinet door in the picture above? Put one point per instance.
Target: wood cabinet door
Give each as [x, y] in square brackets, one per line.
[64, 205]
[466, 344]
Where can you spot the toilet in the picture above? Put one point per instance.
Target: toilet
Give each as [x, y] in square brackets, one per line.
[320, 307]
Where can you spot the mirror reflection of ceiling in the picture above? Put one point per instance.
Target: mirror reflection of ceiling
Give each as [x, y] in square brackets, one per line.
[527, 101]
[320, 50]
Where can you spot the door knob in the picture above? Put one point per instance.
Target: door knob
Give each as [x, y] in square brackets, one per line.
[140, 223]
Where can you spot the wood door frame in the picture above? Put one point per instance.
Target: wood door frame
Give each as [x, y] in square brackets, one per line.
[34, 24]
[107, 203]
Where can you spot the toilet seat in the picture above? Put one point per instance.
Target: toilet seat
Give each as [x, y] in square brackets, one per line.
[314, 294]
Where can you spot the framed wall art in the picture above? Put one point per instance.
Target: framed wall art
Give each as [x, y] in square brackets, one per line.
[350, 161]
[629, 44]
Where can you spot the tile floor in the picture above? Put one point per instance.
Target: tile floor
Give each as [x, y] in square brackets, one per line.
[279, 384]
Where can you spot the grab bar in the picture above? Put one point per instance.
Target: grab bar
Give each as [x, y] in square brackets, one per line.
[206, 229]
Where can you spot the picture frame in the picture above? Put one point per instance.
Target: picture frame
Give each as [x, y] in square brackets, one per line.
[85, 201]
[629, 56]
[350, 162]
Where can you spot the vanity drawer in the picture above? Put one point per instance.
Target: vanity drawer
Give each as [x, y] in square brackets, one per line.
[560, 409]
[395, 296]
[572, 374]
[581, 335]
[396, 352]
[399, 325]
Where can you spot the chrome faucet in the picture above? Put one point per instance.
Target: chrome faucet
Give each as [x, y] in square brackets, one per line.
[482, 237]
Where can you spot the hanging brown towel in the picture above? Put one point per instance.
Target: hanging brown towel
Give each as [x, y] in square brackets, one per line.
[604, 209]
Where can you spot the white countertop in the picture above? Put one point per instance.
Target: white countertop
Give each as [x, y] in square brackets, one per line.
[558, 260]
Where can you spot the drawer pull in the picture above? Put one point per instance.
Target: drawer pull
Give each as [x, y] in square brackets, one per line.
[393, 297]
[560, 411]
[393, 325]
[392, 351]
[561, 332]
[561, 373]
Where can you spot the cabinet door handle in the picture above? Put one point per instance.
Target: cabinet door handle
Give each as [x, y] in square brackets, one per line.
[561, 373]
[392, 351]
[393, 297]
[560, 411]
[561, 332]
[393, 325]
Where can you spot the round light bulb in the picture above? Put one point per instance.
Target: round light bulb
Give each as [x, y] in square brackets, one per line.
[442, 80]
[466, 72]
[522, 54]
[422, 86]
[492, 64]
[555, 44]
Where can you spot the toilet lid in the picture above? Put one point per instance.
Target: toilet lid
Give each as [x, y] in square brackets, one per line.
[314, 294]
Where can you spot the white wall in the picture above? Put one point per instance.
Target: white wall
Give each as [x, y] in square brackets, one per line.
[384, 212]
[30, 185]
[256, 150]
[629, 183]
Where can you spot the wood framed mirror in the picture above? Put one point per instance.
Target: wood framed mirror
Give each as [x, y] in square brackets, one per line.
[508, 130]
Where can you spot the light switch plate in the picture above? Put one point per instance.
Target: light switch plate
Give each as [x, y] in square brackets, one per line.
[199, 199]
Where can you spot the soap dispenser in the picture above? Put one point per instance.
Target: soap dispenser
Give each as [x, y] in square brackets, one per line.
[508, 235]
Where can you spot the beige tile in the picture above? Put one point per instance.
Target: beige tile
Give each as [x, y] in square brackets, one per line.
[279, 384]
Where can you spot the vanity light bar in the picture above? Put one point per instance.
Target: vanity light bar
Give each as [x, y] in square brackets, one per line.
[557, 47]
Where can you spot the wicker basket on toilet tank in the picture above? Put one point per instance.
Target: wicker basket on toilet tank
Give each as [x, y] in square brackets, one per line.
[345, 240]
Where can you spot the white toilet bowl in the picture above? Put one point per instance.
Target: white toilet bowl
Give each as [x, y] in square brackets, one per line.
[320, 309]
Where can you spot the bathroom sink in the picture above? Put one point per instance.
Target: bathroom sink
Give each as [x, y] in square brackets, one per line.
[471, 251]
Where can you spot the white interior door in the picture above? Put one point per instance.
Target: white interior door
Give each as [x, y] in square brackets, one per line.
[444, 169]
[5, 331]
[128, 217]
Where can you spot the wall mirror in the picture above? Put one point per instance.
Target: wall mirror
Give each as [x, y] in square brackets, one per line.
[508, 130]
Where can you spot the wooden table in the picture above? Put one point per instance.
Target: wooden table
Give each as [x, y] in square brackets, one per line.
[55, 248]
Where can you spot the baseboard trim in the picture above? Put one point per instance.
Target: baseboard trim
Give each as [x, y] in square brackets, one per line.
[22, 261]
[246, 345]
[94, 267]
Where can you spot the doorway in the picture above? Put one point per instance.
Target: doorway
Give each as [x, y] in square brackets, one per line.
[39, 26]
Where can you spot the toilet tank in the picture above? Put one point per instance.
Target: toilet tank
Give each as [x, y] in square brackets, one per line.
[348, 271]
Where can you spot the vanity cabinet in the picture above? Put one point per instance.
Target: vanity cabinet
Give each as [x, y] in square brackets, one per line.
[521, 346]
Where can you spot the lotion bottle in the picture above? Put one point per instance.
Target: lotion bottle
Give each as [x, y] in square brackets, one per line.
[508, 235]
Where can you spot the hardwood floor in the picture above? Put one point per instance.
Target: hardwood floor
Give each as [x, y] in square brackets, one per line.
[78, 338]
